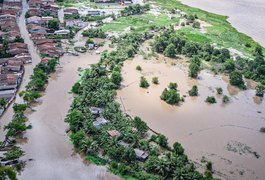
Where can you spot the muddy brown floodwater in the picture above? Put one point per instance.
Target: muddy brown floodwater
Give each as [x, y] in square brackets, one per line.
[228, 135]
[245, 15]
[49, 154]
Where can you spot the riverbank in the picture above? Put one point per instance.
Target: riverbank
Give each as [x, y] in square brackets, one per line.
[245, 16]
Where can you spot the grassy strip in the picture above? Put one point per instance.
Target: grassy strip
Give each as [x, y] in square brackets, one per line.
[221, 31]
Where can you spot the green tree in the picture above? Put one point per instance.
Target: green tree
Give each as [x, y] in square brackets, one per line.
[260, 90]
[138, 68]
[193, 91]
[53, 24]
[236, 79]
[170, 51]
[178, 149]
[143, 82]
[225, 99]
[140, 125]
[162, 140]
[155, 80]
[75, 119]
[116, 78]
[7, 173]
[194, 67]
[211, 100]
[219, 90]
[173, 86]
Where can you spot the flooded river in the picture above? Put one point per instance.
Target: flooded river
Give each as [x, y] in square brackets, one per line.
[228, 135]
[245, 15]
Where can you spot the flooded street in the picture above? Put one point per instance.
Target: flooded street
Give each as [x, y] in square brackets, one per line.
[48, 147]
[7, 116]
[203, 129]
[246, 16]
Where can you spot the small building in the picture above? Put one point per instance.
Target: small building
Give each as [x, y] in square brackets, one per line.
[95, 110]
[141, 155]
[114, 133]
[62, 32]
[100, 121]
[34, 19]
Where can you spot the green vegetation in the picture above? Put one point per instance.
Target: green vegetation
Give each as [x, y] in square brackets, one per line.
[194, 67]
[170, 95]
[80, 49]
[155, 80]
[260, 90]
[96, 160]
[54, 24]
[194, 91]
[143, 82]
[12, 154]
[138, 68]
[89, 18]
[262, 130]
[211, 100]
[7, 173]
[220, 32]
[135, 9]
[236, 79]
[97, 89]
[225, 99]
[219, 90]
[170, 51]
[94, 33]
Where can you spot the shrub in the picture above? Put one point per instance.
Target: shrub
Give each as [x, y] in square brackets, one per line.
[225, 99]
[236, 79]
[138, 68]
[155, 80]
[170, 96]
[262, 130]
[173, 86]
[219, 90]
[193, 91]
[209, 166]
[143, 82]
[211, 100]
[260, 90]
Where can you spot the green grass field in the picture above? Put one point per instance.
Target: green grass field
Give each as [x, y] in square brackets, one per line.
[139, 23]
[221, 32]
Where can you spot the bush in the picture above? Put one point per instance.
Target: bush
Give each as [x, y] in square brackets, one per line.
[209, 166]
[76, 88]
[260, 90]
[236, 79]
[155, 80]
[219, 90]
[225, 99]
[170, 51]
[173, 86]
[262, 130]
[193, 91]
[143, 82]
[196, 24]
[170, 96]
[138, 68]
[211, 100]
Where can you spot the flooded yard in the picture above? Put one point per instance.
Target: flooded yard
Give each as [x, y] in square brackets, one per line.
[203, 129]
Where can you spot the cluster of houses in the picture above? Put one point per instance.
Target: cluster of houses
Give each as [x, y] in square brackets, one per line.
[101, 121]
[39, 14]
[13, 52]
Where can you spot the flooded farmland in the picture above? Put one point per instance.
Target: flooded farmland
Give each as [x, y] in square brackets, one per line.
[226, 134]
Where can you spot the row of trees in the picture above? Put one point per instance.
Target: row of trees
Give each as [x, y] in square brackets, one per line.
[135, 9]
[94, 33]
[170, 44]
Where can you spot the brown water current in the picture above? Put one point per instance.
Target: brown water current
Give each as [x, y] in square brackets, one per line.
[226, 134]
[48, 149]
[246, 16]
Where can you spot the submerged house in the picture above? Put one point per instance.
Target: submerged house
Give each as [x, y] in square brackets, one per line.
[100, 121]
[95, 110]
[114, 133]
[141, 155]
